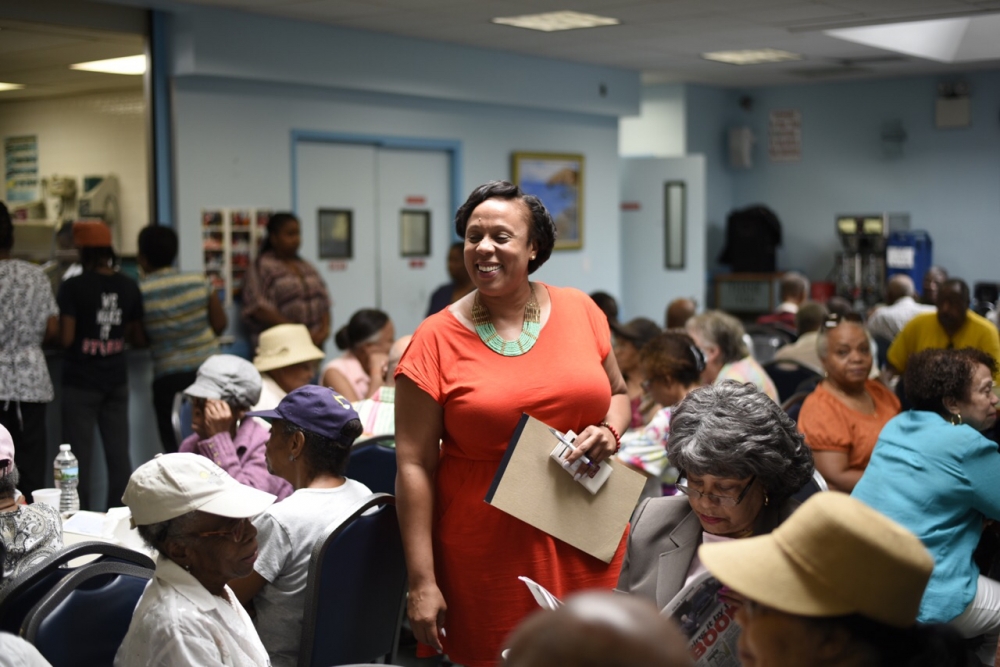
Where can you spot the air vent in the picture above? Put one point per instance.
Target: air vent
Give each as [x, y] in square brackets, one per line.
[829, 72]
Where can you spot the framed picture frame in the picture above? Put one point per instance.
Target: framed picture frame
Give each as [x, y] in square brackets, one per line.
[557, 180]
[336, 233]
[414, 233]
[674, 224]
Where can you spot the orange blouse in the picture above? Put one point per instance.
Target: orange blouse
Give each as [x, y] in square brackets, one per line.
[479, 551]
[829, 425]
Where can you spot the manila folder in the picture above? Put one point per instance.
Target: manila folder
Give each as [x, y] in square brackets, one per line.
[532, 487]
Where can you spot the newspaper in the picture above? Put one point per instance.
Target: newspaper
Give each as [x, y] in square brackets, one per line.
[707, 622]
[543, 597]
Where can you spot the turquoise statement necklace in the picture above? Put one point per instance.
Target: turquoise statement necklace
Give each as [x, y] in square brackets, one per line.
[508, 348]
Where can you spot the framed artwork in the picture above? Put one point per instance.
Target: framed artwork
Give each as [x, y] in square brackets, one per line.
[336, 240]
[414, 233]
[556, 179]
[674, 224]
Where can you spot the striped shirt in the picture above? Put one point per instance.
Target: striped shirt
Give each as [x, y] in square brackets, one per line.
[378, 413]
[176, 320]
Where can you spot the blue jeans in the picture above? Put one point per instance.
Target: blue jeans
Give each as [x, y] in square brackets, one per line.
[82, 409]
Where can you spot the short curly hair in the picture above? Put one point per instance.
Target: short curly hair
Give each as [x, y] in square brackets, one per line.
[932, 376]
[541, 227]
[673, 356]
[733, 430]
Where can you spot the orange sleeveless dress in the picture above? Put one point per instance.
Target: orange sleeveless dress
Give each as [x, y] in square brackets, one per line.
[479, 551]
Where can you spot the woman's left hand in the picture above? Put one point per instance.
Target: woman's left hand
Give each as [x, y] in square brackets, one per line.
[597, 442]
[218, 417]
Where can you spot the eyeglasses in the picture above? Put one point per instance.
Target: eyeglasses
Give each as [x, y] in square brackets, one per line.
[236, 533]
[726, 501]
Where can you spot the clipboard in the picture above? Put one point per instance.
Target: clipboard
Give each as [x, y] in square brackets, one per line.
[531, 487]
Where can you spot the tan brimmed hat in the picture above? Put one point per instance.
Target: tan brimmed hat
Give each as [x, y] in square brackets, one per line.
[285, 345]
[833, 557]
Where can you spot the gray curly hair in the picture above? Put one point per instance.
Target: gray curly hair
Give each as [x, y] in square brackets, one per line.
[722, 330]
[733, 430]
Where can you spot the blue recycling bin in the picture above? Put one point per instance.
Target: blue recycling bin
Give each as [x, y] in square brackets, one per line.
[909, 252]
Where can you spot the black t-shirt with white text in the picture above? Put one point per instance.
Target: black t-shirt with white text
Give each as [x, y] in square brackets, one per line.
[102, 305]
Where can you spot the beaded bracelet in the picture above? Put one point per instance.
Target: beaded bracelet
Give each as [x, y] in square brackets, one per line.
[614, 432]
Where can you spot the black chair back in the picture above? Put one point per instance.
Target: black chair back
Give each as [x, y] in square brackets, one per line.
[26, 590]
[793, 405]
[787, 375]
[356, 591]
[373, 463]
[83, 620]
[767, 340]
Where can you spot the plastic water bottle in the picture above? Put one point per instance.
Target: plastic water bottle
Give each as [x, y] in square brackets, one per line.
[66, 470]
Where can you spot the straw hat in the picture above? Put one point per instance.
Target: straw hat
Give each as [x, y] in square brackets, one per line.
[285, 345]
[833, 557]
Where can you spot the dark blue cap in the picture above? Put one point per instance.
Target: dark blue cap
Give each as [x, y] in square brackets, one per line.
[319, 410]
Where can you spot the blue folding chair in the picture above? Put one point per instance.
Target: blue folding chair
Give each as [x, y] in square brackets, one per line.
[373, 463]
[24, 591]
[83, 620]
[356, 590]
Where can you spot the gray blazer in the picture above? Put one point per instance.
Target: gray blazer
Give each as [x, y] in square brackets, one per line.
[664, 539]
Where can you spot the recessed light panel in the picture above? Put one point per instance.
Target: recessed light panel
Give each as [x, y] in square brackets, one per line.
[10, 86]
[751, 56]
[131, 65]
[954, 40]
[553, 21]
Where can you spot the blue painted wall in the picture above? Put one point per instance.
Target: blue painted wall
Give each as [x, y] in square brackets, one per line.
[948, 180]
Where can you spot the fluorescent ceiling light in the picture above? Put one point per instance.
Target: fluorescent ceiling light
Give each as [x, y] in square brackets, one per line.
[127, 65]
[751, 56]
[553, 21]
[10, 86]
[954, 40]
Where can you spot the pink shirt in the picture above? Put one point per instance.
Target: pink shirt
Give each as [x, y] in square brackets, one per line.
[349, 366]
[242, 457]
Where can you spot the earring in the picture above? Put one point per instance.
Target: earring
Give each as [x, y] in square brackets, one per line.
[767, 500]
[291, 459]
[956, 419]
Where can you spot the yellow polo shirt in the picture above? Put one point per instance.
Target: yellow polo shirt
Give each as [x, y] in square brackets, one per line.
[924, 332]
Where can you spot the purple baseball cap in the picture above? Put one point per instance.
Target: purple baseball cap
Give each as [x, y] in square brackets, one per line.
[319, 410]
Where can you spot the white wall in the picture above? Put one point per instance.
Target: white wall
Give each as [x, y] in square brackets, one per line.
[243, 83]
[659, 129]
[96, 134]
[233, 145]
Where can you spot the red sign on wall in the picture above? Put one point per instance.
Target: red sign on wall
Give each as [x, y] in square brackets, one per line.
[416, 200]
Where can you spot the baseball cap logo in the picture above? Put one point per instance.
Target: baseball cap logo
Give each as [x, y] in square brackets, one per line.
[344, 403]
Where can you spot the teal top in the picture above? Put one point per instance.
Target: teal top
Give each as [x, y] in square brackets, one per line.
[940, 481]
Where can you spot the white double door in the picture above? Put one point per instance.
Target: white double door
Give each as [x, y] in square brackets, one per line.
[377, 185]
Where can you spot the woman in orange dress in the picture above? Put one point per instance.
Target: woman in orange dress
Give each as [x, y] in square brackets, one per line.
[511, 346]
[843, 417]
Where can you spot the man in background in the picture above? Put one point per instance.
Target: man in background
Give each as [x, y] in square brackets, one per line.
[793, 290]
[952, 327]
[886, 322]
[807, 322]
[679, 311]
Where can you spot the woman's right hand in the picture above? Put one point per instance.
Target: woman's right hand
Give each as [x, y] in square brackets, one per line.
[426, 609]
